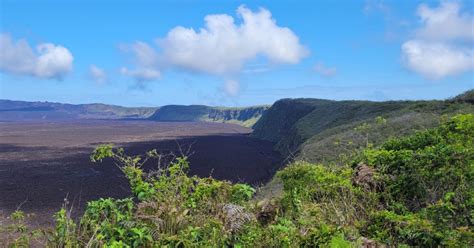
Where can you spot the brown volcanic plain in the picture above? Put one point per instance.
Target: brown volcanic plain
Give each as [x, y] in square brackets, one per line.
[42, 163]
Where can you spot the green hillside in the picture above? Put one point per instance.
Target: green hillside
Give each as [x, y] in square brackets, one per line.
[415, 191]
[318, 130]
[467, 96]
[246, 116]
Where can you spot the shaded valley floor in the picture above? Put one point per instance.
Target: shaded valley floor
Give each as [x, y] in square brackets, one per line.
[44, 163]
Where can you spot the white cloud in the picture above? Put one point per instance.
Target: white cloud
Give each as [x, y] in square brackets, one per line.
[443, 46]
[144, 54]
[324, 71]
[49, 60]
[232, 88]
[97, 74]
[445, 22]
[222, 47]
[376, 6]
[142, 74]
[145, 59]
[436, 60]
[254, 68]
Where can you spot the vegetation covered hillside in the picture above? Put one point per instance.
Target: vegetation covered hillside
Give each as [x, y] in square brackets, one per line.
[467, 96]
[322, 130]
[415, 191]
[246, 116]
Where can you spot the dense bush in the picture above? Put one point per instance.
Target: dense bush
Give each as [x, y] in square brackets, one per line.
[424, 168]
[414, 191]
[427, 186]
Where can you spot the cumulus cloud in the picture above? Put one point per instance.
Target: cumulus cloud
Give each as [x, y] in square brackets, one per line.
[445, 22]
[145, 59]
[97, 74]
[222, 46]
[142, 74]
[443, 46]
[324, 70]
[46, 61]
[436, 60]
[231, 88]
[144, 54]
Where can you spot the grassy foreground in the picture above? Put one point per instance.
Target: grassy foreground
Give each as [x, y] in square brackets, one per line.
[413, 191]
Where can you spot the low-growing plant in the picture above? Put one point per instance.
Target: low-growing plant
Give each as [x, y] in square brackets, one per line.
[423, 197]
[15, 231]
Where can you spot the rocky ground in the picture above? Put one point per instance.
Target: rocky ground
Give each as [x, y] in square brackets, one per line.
[44, 163]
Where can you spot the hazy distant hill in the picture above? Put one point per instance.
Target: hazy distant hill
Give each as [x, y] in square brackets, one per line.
[246, 116]
[23, 111]
[317, 130]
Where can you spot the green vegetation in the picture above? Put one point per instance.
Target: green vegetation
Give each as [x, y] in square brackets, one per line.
[467, 96]
[412, 191]
[328, 131]
[247, 116]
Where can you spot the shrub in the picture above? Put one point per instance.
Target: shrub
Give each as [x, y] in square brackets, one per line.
[393, 229]
[424, 197]
[328, 194]
[421, 169]
[15, 232]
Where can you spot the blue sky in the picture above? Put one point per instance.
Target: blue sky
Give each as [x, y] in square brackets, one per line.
[234, 53]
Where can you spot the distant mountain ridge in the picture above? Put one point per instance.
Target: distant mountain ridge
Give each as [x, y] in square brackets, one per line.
[318, 130]
[23, 110]
[246, 116]
[30, 111]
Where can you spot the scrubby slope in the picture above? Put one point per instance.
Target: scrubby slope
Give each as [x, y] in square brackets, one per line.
[317, 130]
[415, 191]
[277, 121]
[467, 96]
[243, 116]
